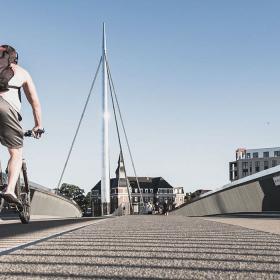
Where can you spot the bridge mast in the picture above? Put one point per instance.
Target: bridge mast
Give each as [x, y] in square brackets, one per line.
[105, 180]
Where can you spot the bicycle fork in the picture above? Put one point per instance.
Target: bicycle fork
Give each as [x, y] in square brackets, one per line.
[1, 177]
[24, 171]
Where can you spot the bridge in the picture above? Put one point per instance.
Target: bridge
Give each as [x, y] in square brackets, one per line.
[236, 244]
[45, 203]
[141, 247]
[256, 193]
[230, 233]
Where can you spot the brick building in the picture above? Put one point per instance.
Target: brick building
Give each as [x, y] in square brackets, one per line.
[154, 191]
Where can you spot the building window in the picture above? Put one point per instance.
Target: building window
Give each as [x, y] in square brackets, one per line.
[245, 173]
[136, 190]
[255, 155]
[136, 199]
[151, 190]
[244, 164]
[248, 155]
[277, 153]
[266, 164]
[141, 190]
[257, 166]
[265, 154]
[274, 162]
[146, 190]
[146, 199]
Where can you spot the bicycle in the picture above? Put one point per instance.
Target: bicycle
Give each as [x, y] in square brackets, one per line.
[22, 188]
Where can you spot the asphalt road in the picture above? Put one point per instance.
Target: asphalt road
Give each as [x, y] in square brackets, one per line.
[148, 247]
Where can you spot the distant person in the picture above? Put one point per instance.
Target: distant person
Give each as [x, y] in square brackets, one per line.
[150, 208]
[165, 208]
[156, 208]
[12, 79]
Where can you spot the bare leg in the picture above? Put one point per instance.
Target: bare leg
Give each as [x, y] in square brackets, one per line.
[14, 167]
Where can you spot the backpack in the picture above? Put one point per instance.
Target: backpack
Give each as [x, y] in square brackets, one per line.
[6, 72]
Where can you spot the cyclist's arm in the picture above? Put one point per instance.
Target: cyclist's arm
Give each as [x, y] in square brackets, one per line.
[32, 97]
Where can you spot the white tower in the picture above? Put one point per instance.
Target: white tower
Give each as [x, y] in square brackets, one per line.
[105, 180]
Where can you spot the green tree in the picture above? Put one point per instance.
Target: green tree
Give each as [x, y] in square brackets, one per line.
[76, 193]
[88, 200]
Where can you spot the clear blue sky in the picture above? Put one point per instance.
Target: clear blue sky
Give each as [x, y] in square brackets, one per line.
[195, 79]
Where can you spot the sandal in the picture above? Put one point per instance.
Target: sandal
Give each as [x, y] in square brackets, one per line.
[10, 198]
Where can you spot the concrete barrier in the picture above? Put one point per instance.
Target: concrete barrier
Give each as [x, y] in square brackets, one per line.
[256, 193]
[44, 202]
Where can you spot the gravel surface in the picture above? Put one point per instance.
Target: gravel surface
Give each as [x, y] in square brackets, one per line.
[149, 247]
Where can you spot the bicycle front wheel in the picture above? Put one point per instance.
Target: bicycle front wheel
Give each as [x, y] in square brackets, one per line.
[24, 215]
[2, 202]
[23, 194]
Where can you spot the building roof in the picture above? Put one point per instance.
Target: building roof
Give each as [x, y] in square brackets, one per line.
[144, 182]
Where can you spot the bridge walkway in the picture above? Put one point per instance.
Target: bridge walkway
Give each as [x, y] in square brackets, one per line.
[149, 247]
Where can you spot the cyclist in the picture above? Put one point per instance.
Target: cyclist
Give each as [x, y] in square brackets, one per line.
[11, 133]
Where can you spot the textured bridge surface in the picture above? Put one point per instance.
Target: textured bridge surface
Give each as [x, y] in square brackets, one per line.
[44, 202]
[149, 247]
[259, 192]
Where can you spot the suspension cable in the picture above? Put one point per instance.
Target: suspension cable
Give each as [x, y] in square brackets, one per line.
[125, 134]
[79, 124]
[119, 139]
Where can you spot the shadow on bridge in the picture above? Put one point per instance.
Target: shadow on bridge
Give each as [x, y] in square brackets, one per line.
[15, 229]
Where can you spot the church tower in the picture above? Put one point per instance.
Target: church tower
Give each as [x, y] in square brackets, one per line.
[122, 189]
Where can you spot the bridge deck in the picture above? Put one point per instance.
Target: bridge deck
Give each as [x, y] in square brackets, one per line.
[149, 247]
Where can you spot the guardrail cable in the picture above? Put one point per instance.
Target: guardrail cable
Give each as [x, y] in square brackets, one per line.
[119, 140]
[125, 134]
[79, 125]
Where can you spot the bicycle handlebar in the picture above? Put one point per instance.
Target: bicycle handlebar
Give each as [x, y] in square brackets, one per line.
[31, 133]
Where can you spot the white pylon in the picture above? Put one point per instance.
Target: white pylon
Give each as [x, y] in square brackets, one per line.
[105, 180]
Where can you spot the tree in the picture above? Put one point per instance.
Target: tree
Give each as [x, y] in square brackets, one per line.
[75, 193]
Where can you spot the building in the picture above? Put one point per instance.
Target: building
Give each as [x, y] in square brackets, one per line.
[154, 191]
[251, 161]
[179, 196]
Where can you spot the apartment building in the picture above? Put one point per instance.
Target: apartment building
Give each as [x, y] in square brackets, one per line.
[251, 161]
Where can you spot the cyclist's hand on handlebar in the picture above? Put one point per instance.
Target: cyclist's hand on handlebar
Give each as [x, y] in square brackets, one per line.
[37, 131]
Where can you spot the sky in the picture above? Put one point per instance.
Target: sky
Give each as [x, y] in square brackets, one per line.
[195, 80]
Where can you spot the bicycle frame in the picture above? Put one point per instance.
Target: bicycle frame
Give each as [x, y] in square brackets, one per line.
[22, 191]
